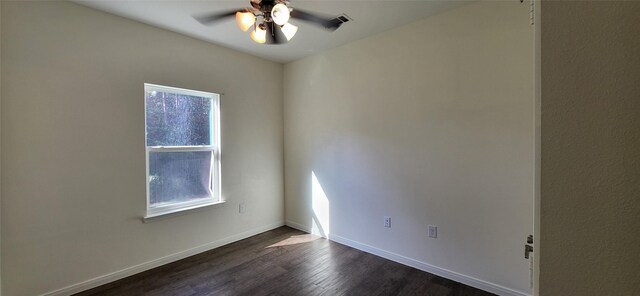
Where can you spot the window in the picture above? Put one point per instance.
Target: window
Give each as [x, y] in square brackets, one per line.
[183, 149]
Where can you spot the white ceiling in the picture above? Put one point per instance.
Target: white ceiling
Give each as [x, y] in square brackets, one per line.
[369, 18]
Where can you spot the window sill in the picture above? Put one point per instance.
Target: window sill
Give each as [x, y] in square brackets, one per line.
[178, 212]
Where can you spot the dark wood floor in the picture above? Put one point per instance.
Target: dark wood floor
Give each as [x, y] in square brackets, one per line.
[284, 261]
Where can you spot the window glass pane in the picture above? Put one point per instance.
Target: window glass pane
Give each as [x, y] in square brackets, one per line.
[177, 120]
[179, 176]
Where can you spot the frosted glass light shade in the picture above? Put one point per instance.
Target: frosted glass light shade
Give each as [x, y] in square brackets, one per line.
[245, 20]
[280, 14]
[289, 30]
[259, 35]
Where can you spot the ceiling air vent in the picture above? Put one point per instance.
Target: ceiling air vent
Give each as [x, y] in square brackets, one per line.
[344, 18]
[338, 21]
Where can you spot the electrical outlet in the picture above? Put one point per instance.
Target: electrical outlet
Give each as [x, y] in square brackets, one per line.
[241, 208]
[433, 231]
[387, 222]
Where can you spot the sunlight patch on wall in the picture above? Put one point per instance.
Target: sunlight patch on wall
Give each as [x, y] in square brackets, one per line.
[320, 206]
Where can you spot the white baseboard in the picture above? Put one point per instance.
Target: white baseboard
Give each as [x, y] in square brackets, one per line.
[458, 277]
[129, 271]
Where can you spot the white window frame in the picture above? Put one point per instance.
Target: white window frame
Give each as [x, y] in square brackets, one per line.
[216, 198]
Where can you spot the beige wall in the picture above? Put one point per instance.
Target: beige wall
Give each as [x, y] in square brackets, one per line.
[431, 123]
[73, 156]
[590, 188]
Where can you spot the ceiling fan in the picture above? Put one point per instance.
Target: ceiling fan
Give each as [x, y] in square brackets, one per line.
[269, 20]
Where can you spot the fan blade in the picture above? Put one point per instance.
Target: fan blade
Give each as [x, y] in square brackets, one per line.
[214, 17]
[331, 24]
[275, 34]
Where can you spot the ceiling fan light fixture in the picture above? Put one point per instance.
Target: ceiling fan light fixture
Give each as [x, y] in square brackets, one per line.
[280, 14]
[289, 30]
[245, 20]
[267, 21]
[259, 34]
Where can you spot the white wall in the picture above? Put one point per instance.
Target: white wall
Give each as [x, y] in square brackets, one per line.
[590, 170]
[0, 151]
[431, 123]
[73, 156]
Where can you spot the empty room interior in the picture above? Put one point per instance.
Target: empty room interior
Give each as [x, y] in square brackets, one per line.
[319, 147]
